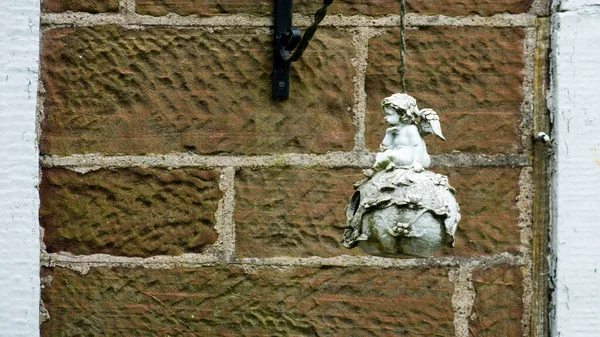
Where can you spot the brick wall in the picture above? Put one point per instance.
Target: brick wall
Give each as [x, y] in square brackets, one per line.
[177, 198]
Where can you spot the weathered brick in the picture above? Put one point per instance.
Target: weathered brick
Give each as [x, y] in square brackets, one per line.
[467, 7]
[113, 90]
[292, 212]
[498, 307]
[234, 301]
[90, 6]
[129, 212]
[487, 199]
[344, 7]
[472, 76]
[203, 7]
[263, 7]
[300, 213]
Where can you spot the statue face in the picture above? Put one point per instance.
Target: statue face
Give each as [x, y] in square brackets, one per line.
[392, 116]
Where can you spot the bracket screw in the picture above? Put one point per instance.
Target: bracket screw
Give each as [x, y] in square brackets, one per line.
[542, 137]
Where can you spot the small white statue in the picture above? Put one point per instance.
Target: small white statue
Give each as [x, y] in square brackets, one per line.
[401, 209]
[403, 145]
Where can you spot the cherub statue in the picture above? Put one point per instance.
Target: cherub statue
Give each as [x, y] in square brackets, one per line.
[403, 144]
[401, 209]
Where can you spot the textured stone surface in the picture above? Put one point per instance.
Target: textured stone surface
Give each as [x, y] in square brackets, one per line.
[91, 6]
[467, 7]
[222, 301]
[487, 199]
[132, 212]
[292, 212]
[300, 213]
[345, 7]
[263, 7]
[113, 90]
[498, 307]
[472, 76]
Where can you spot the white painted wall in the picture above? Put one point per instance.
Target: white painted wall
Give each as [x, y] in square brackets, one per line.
[576, 182]
[19, 229]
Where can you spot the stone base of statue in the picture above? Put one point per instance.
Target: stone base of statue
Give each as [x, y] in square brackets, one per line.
[399, 212]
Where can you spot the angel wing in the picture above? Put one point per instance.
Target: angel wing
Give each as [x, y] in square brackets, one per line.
[430, 123]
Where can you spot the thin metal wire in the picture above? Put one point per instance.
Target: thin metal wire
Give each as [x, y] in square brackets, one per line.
[402, 67]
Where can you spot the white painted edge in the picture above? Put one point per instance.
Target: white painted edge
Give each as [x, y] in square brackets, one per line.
[19, 176]
[572, 5]
[575, 206]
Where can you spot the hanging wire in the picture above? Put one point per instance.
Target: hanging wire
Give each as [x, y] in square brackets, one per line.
[402, 67]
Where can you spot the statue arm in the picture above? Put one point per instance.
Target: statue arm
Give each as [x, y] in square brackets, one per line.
[418, 147]
[388, 141]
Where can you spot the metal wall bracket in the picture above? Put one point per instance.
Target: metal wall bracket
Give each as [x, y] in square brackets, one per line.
[289, 44]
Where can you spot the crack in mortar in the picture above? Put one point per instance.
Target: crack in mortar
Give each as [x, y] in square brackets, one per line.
[463, 298]
[127, 16]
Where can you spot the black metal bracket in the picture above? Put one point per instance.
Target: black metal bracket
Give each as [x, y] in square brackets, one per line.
[289, 44]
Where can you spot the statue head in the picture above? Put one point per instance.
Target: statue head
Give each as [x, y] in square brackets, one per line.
[404, 105]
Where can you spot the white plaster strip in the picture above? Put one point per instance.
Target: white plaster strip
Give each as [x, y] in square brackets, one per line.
[19, 201]
[83, 263]
[575, 103]
[526, 125]
[224, 248]
[361, 44]
[463, 298]
[243, 20]
[91, 162]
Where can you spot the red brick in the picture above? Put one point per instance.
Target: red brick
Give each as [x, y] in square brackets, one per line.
[498, 307]
[300, 213]
[90, 6]
[487, 199]
[344, 7]
[467, 7]
[472, 76]
[129, 212]
[233, 301]
[263, 7]
[292, 212]
[111, 90]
